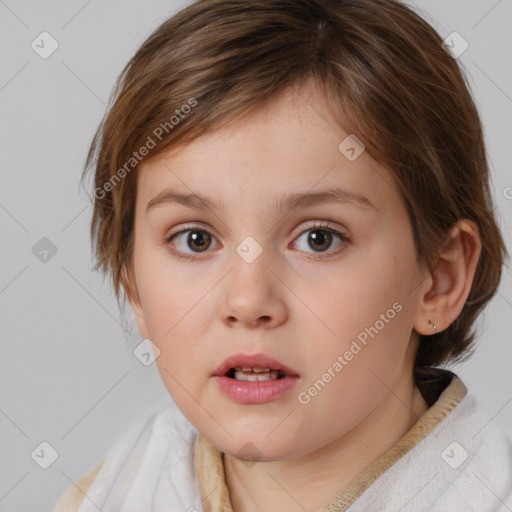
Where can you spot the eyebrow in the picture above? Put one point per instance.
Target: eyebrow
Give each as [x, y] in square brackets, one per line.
[285, 203]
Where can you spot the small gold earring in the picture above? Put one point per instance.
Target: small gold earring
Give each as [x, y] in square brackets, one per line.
[433, 325]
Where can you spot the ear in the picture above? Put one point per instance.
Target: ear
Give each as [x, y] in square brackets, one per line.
[449, 284]
[132, 294]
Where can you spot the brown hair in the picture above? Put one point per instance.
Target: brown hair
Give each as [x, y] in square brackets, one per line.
[381, 67]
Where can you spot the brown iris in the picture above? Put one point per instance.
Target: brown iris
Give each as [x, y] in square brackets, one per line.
[321, 237]
[200, 239]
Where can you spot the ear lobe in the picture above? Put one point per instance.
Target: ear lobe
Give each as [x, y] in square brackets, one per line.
[451, 279]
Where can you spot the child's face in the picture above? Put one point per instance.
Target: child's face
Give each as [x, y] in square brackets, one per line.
[304, 300]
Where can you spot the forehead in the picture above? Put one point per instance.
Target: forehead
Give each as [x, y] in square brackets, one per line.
[291, 144]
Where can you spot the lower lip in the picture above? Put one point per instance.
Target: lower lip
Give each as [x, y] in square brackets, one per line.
[255, 392]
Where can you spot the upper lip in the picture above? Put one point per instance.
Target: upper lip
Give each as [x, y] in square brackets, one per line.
[259, 360]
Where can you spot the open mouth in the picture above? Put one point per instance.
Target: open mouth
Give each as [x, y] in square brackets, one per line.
[248, 373]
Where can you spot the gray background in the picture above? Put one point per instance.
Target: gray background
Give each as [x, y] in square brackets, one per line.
[68, 375]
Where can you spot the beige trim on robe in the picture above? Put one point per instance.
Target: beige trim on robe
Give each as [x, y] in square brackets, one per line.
[210, 463]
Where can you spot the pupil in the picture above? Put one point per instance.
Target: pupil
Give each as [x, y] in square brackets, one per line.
[198, 238]
[323, 239]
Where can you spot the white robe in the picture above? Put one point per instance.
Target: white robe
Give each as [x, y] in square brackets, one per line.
[464, 464]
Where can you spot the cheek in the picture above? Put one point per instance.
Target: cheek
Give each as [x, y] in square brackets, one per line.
[352, 295]
[170, 291]
[177, 312]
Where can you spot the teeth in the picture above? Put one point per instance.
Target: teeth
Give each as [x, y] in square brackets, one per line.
[251, 369]
[262, 374]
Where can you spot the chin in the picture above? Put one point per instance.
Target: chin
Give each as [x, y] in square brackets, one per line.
[256, 448]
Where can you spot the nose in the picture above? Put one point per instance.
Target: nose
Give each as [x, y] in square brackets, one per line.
[253, 296]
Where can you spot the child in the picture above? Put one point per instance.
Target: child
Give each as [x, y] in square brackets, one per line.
[293, 197]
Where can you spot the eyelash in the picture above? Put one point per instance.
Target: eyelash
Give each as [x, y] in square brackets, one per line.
[316, 227]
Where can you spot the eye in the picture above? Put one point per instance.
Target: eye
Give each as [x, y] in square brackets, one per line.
[194, 238]
[320, 237]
